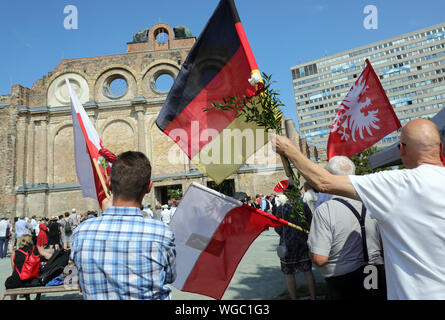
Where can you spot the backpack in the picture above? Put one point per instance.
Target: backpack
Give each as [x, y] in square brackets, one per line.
[31, 266]
[68, 228]
[54, 266]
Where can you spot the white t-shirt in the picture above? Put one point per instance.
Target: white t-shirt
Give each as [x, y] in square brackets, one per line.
[409, 206]
[149, 212]
[4, 224]
[166, 215]
[35, 226]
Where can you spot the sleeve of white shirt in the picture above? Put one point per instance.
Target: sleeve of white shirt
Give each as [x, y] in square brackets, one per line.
[379, 191]
[320, 235]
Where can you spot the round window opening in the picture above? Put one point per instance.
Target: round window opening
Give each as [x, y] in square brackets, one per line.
[164, 82]
[115, 87]
[161, 35]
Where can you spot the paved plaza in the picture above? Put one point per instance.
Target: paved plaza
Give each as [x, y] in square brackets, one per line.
[258, 276]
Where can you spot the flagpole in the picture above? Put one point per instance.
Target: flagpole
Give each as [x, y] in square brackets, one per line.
[296, 227]
[101, 178]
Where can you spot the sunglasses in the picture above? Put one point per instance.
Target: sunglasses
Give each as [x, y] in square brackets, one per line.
[404, 144]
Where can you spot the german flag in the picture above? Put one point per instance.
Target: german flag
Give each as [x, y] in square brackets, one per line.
[218, 66]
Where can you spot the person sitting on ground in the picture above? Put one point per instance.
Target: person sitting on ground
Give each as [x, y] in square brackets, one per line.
[25, 244]
[135, 258]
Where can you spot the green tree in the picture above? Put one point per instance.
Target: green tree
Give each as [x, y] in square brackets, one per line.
[174, 192]
[361, 161]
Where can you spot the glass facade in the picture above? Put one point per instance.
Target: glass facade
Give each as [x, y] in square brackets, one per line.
[411, 69]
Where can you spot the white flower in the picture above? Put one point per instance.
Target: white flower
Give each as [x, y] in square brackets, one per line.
[100, 160]
[256, 78]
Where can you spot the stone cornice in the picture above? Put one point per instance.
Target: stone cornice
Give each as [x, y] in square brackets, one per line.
[192, 174]
[140, 102]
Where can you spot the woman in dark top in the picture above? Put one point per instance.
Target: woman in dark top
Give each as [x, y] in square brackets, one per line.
[297, 257]
[54, 233]
[25, 244]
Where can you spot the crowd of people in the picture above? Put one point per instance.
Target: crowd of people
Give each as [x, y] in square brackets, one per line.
[390, 222]
[51, 233]
[162, 213]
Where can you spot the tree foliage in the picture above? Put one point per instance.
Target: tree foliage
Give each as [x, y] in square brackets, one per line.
[361, 161]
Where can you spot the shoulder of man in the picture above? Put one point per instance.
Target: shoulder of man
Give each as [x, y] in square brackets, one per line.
[332, 206]
[337, 205]
[161, 229]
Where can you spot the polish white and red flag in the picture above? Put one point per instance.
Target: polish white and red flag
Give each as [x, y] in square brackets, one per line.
[364, 117]
[88, 150]
[212, 233]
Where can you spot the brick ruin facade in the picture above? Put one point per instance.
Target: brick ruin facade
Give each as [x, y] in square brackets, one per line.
[37, 175]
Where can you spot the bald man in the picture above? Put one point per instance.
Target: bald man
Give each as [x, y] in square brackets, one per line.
[408, 204]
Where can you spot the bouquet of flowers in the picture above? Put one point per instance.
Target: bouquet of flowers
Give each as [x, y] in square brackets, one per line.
[262, 108]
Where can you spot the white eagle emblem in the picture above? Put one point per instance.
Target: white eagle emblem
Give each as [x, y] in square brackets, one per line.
[351, 116]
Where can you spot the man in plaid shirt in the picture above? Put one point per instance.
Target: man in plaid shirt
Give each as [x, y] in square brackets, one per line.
[122, 255]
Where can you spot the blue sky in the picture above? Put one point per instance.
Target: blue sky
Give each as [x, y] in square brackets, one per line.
[282, 33]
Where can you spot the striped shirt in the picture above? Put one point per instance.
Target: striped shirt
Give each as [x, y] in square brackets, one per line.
[122, 255]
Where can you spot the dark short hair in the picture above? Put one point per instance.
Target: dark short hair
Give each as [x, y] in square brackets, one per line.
[67, 214]
[130, 175]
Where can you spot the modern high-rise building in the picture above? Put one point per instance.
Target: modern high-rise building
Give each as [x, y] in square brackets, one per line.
[411, 68]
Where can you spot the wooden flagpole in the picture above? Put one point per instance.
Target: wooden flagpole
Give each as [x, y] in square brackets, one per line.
[101, 178]
[296, 227]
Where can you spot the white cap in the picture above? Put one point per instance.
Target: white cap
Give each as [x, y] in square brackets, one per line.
[73, 210]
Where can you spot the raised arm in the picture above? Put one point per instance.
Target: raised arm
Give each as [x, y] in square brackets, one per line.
[316, 175]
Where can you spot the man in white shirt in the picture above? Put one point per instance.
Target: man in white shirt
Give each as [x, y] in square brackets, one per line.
[21, 228]
[35, 225]
[4, 237]
[147, 209]
[166, 214]
[175, 205]
[75, 218]
[409, 206]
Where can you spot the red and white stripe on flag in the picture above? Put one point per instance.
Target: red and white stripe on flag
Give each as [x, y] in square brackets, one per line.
[364, 117]
[212, 233]
[87, 144]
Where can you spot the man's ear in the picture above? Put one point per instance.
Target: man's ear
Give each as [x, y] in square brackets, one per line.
[150, 185]
[108, 183]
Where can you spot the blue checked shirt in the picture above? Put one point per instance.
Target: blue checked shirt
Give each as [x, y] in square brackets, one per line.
[122, 255]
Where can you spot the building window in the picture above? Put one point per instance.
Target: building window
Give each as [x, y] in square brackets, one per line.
[115, 87]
